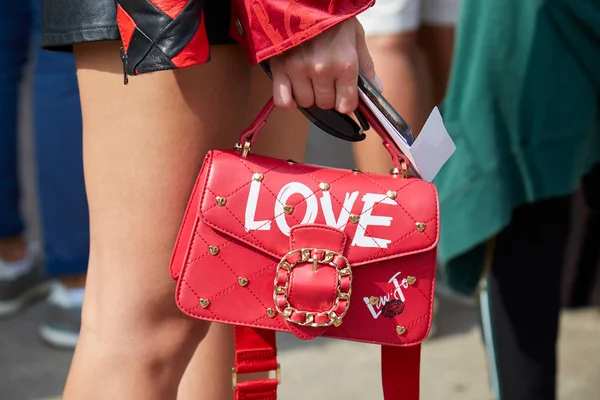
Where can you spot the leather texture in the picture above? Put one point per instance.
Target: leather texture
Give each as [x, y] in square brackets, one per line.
[353, 248]
[270, 27]
[256, 351]
[161, 35]
[400, 372]
[170, 34]
[254, 254]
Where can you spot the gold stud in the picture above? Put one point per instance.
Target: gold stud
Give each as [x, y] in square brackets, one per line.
[213, 250]
[291, 162]
[395, 172]
[354, 218]
[391, 194]
[400, 330]
[204, 303]
[288, 209]
[221, 201]
[374, 300]
[257, 177]
[411, 280]
[324, 186]
[270, 312]
[356, 171]
[420, 226]
[242, 281]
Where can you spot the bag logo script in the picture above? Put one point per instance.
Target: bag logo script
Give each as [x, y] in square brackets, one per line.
[391, 303]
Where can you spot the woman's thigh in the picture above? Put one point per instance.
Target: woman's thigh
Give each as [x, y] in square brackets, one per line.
[143, 146]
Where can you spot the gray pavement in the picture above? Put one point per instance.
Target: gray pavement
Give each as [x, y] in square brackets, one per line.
[453, 367]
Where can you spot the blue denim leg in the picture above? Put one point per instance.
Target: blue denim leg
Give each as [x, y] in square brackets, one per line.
[15, 21]
[58, 138]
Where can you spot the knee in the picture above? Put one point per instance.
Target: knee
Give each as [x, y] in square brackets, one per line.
[151, 330]
[160, 352]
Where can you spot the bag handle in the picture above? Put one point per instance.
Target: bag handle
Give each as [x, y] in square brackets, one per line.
[248, 136]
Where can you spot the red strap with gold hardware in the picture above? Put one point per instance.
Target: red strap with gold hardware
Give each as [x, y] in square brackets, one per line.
[256, 351]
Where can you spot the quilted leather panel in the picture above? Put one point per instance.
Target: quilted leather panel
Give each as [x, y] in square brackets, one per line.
[389, 251]
[415, 202]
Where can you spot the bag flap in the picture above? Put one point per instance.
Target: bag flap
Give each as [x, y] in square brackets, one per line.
[257, 200]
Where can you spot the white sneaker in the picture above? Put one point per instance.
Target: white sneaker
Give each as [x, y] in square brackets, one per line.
[63, 317]
[22, 282]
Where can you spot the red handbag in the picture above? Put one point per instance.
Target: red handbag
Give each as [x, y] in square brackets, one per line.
[272, 245]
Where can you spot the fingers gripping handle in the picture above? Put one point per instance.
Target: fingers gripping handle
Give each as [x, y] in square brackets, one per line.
[248, 136]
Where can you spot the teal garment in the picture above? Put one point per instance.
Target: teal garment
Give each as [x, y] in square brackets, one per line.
[523, 107]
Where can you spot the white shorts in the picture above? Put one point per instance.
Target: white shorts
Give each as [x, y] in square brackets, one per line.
[399, 16]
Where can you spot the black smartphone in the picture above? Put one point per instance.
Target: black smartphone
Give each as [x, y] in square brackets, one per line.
[376, 99]
[331, 121]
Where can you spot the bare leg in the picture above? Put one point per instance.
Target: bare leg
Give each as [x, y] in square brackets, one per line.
[438, 44]
[208, 375]
[143, 146]
[404, 72]
[284, 137]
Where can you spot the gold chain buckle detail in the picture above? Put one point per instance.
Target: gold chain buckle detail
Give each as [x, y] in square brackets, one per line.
[311, 317]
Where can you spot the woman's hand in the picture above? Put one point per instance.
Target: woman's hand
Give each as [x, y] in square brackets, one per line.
[324, 70]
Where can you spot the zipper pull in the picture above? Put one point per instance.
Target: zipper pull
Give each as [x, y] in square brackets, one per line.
[123, 57]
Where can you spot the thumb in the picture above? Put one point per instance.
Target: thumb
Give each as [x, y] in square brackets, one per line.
[365, 62]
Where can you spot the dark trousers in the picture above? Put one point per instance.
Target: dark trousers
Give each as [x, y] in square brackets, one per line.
[521, 303]
[56, 125]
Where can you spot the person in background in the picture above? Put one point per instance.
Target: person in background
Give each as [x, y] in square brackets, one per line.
[523, 107]
[56, 117]
[411, 42]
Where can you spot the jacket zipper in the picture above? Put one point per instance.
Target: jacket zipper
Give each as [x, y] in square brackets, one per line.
[123, 59]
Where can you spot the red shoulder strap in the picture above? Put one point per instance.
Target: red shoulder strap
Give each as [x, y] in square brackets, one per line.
[400, 372]
[256, 351]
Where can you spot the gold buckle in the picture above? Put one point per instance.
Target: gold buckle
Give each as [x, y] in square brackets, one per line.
[234, 376]
[305, 257]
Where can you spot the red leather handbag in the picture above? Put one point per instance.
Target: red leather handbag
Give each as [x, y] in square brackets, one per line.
[272, 245]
